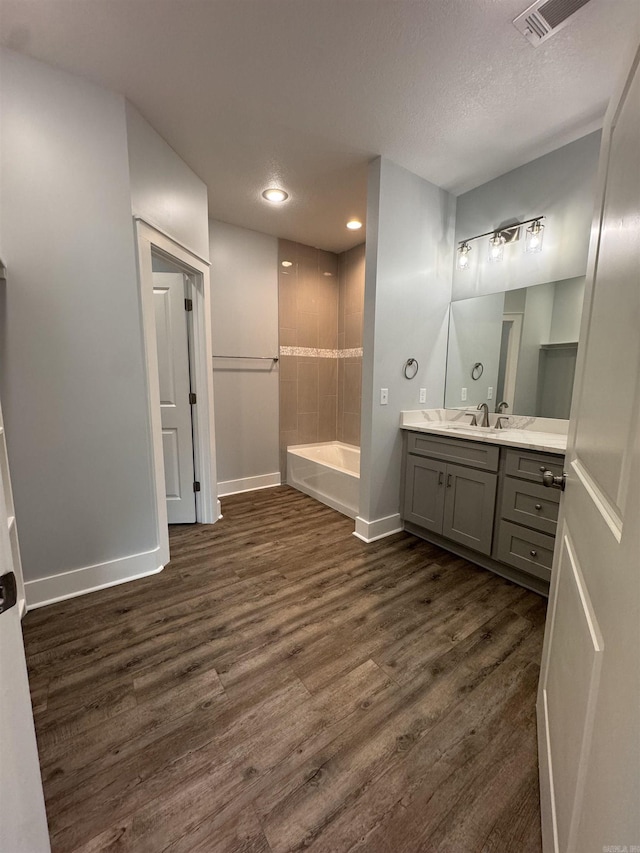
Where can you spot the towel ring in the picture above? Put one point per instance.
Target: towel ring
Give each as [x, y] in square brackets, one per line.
[477, 370]
[409, 365]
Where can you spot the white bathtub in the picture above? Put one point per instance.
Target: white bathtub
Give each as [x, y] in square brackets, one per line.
[329, 472]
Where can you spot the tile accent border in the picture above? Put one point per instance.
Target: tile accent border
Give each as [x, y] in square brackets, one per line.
[315, 352]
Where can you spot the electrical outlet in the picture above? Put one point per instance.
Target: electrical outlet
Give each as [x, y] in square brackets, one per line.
[463, 394]
[384, 396]
[423, 395]
[490, 392]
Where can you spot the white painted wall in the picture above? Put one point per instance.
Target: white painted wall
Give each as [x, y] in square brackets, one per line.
[407, 291]
[244, 321]
[71, 372]
[164, 190]
[560, 186]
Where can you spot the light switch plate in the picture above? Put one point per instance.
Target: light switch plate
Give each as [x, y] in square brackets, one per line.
[463, 394]
[384, 396]
[490, 392]
[423, 395]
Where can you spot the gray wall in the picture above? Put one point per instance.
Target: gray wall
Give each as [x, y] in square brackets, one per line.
[475, 331]
[407, 292]
[244, 320]
[536, 326]
[71, 357]
[567, 310]
[164, 190]
[560, 186]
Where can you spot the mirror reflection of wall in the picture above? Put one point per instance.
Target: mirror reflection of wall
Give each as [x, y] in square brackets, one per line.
[527, 341]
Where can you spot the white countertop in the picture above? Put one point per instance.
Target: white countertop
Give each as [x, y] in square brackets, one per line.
[542, 434]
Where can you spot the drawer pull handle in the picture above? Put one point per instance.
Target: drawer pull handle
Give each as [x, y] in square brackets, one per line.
[538, 506]
[448, 481]
[533, 553]
[440, 478]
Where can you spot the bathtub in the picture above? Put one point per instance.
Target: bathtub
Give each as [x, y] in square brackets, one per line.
[329, 472]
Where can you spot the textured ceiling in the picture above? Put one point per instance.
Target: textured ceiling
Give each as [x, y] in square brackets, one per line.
[303, 93]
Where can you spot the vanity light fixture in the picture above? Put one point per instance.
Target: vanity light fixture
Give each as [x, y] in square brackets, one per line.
[275, 195]
[502, 237]
[533, 238]
[496, 247]
[354, 225]
[463, 255]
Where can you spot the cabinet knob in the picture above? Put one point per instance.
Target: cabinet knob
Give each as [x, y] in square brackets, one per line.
[543, 468]
[533, 553]
[538, 507]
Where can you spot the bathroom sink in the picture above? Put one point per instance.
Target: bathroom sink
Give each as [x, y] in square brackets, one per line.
[462, 427]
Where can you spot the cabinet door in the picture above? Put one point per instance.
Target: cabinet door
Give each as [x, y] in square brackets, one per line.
[469, 507]
[424, 492]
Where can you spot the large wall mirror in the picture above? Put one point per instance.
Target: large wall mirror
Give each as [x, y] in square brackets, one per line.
[518, 346]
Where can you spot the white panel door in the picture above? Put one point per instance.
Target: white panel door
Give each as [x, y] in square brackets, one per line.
[589, 696]
[173, 370]
[23, 821]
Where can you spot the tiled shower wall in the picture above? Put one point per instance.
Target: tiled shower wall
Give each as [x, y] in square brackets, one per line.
[320, 310]
[350, 316]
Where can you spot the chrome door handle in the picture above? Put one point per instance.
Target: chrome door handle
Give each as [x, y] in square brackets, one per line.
[552, 481]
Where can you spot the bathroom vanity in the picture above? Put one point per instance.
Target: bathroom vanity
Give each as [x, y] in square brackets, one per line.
[479, 493]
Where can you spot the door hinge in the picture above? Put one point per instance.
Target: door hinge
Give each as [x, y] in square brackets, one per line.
[196, 486]
[188, 304]
[192, 398]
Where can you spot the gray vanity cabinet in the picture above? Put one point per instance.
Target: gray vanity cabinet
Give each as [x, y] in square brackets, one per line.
[484, 502]
[452, 500]
[528, 515]
[424, 492]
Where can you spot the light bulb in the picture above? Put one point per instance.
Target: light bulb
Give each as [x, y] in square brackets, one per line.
[496, 247]
[463, 256]
[287, 263]
[533, 239]
[354, 224]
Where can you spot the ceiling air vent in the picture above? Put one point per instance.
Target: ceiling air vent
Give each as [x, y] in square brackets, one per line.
[545, 17]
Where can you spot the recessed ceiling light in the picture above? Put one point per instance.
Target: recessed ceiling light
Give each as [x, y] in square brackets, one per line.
[354, 224]
[275, 195]
[287, 263]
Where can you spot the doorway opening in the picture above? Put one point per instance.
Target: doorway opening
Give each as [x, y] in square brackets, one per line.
[175, 304]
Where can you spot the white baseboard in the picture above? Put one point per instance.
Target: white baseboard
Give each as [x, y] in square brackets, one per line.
[248, 484]
[369, 531]
[91, 578]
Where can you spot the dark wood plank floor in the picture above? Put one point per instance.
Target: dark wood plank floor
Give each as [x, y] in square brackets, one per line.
[283, 686]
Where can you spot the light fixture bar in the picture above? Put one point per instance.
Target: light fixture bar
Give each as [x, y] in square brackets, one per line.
[505, 231]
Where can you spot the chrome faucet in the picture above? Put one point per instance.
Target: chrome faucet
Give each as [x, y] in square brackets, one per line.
[484, 408]
[501, 407]
[500, 421]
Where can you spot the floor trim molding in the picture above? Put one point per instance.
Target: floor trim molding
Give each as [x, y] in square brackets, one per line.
[248, 484]
[369, 531]
[54, 588]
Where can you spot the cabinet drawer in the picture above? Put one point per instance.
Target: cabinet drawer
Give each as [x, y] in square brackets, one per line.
[529, 465]
[530, 504]
[525, 549]
[474, 454]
